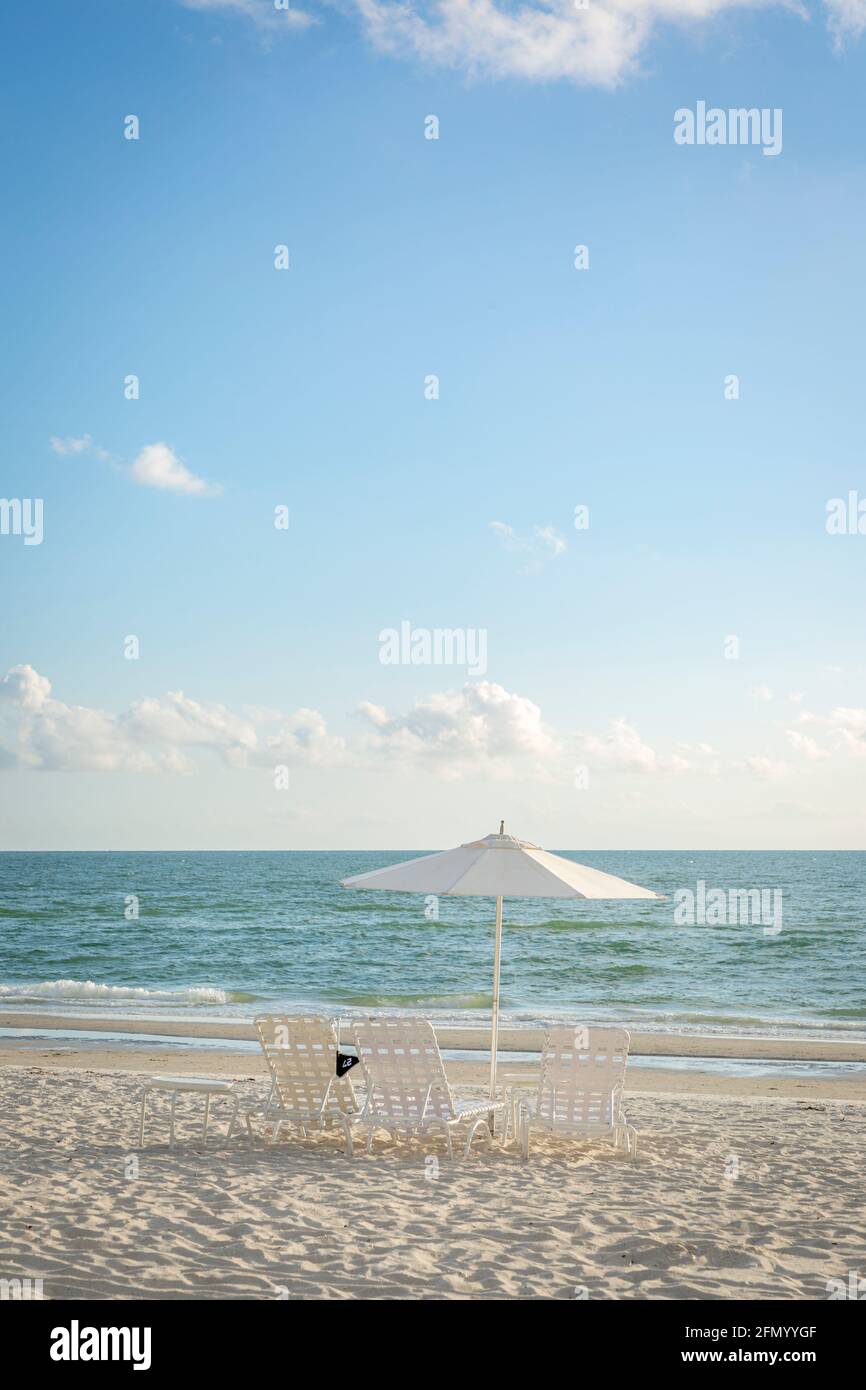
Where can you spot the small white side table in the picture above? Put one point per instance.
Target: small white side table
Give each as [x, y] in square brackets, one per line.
[205, 1085]
[512, 1083]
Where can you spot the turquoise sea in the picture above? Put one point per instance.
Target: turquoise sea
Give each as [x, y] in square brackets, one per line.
[226, 935]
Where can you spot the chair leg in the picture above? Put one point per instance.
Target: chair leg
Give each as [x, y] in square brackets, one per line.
[234, 1117]
[347, 1130]
[479, 1125]
[509, 1121]
[141, 1121]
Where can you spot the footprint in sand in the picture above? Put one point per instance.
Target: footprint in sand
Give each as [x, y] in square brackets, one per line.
[656, 1254]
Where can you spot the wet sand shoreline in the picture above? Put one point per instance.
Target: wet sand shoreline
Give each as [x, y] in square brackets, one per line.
[643, 1044]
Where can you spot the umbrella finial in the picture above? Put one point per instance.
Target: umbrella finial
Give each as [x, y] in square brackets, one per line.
[502, 827]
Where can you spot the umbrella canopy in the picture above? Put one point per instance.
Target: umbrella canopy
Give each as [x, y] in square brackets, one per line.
[499, 866]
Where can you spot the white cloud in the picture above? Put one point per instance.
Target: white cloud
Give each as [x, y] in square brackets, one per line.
[847, 718]
[154, 735]
[621, 747]
[46, 733]
[765, 767]
[262, 12]
[175, 720]
[459, 730]
[845, 726]
[805, 745]
[505, 533]
[551, 538]
[542, 40]
[693, 757]
[543, 541]
[71, 444]
[24, 687]
[305, 738]
[549, 39]
[478, 729]
[761, 692]
[159, 466]
[846, 20]
[849, 728]
[78, 444]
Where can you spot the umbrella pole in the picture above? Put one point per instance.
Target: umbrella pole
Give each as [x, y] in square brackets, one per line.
[494, 1020]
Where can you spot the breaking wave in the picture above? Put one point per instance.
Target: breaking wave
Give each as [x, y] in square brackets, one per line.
[88, 991]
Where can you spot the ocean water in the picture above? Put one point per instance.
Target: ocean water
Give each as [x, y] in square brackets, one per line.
[227, 935]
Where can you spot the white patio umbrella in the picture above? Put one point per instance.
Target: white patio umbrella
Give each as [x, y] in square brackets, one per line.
[499, 866]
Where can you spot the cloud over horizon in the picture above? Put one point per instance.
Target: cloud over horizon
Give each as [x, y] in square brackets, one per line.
[479, 729]
[481, 724]
[456, 731]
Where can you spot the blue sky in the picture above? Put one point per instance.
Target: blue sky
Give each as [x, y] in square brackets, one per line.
[557, 387]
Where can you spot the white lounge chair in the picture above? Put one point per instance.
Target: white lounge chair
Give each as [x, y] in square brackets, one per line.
[580, 1092]
[407, 1088]
[301, 1053]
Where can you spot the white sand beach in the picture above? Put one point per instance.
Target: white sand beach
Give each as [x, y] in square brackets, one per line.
[738, 1191]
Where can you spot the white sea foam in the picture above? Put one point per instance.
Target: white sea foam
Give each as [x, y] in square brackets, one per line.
[91, 992]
